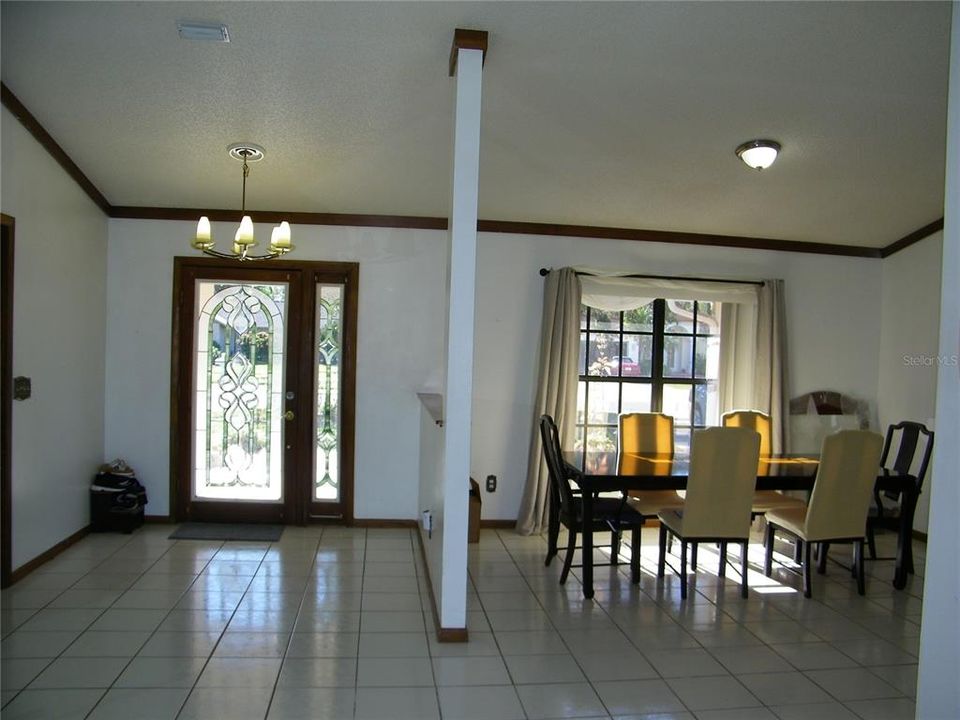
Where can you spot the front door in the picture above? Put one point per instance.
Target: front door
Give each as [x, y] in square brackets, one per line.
[263, 373]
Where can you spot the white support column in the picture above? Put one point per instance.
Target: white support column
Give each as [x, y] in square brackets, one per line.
[938, 690]
[467, 65]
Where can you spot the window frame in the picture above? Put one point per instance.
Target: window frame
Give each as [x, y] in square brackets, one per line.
[656, 380]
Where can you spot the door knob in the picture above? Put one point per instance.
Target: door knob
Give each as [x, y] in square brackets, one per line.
[288, 415]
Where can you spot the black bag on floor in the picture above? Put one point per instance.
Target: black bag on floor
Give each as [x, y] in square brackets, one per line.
[116, 503]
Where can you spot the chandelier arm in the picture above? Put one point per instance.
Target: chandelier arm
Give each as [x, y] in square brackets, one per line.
[242, 258]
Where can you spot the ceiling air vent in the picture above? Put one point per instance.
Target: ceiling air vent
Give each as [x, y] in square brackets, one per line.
[207, 32]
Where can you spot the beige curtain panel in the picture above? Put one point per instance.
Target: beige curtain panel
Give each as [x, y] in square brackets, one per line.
[556, 389]
[753, 359]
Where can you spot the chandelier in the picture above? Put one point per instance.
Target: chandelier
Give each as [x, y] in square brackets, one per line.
[244, 241]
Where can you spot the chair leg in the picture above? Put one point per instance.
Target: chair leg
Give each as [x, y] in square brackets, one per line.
[858, 564]
[683, 569]
[807, 592]
[661, 561]
[635, 554]
[823, 549]
[871, 539]
[693, 556]
[615, 548]
[553, 533]
[744, 592]
[768, 546]
[722, 572]
[568, 558]
[798, 551]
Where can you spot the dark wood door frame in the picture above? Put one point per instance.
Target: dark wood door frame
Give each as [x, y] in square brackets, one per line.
[307, 273]
[6, 399]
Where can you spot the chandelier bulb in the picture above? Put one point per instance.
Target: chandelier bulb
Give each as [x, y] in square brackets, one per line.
[244, 236]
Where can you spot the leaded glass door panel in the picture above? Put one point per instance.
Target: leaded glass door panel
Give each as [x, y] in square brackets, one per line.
[333, 376]
[238, 392]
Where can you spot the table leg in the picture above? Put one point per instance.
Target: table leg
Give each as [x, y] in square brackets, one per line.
[587, 543]
[905, 537]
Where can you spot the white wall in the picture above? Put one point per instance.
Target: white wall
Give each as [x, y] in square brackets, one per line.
[910, 314]
[58, 341]
[833, 306]
[833, 324]
[400, 348]
[938, 693]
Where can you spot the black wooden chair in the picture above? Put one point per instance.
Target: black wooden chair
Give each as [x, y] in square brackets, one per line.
[914, 440]
[610, 514]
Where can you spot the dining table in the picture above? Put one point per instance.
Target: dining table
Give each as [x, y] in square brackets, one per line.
[595, 471]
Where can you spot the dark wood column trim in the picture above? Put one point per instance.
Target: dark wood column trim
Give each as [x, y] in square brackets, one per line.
[914, 237]
[34, 127]
[467, 40]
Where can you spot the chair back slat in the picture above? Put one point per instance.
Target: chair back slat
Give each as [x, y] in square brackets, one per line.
[754, 420]
[646, 433]
[849, 463]
[911, 436]
[723, 475]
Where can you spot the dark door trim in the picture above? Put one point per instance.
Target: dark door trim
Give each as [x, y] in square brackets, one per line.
[306, 273]
[6, 399]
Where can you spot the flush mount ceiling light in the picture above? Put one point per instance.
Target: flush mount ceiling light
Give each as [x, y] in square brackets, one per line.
[244, 240]
[759, 154]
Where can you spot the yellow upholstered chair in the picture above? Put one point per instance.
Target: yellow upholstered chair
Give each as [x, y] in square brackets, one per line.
[849, 464]
[763, 500]
[723, 474]
[648, 434]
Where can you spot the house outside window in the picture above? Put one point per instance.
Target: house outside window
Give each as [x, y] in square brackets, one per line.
[660, 357]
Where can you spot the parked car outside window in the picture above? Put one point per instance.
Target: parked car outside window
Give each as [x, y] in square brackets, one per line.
[623, 366]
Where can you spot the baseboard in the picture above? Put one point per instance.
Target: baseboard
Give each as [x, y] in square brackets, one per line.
[160, 519]
[498, 524]
[383, 523]
[444, 635]
[21, 572]
[452, 635]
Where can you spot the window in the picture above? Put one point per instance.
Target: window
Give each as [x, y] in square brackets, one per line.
[661, 357]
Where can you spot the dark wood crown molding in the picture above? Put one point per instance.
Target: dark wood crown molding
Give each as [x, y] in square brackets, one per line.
[467, 40]
[33, 126]
[273, 216]
[474, 39]
[914, 237]
[681, 238]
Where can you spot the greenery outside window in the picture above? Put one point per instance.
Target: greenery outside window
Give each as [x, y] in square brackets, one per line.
[660, 357]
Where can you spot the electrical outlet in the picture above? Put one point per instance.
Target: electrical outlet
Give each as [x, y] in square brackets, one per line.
[491, 483]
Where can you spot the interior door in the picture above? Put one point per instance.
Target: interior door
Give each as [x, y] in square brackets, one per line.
[264, 383]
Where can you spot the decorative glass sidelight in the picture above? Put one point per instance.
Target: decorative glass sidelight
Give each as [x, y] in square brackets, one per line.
[238, 429]
[329, 350]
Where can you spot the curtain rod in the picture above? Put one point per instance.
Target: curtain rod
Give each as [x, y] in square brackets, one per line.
[544, 272]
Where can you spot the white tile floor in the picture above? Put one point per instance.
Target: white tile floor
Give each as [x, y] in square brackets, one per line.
[336, 623]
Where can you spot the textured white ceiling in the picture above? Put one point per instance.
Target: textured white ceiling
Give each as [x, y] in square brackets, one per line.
[613, 114]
